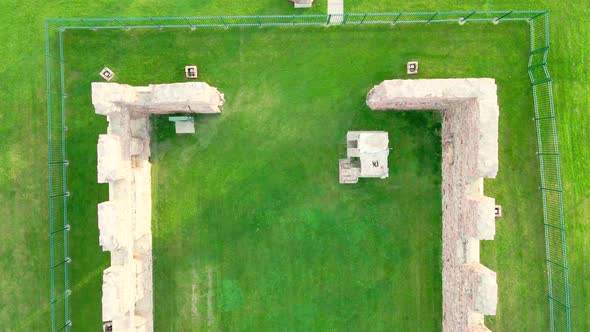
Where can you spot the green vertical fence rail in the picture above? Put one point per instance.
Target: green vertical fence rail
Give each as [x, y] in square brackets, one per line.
[551, 190]
[57, 165]
[551, 185]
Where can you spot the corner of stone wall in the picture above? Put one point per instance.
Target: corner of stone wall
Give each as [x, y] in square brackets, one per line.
[470, 153]
[123, 162]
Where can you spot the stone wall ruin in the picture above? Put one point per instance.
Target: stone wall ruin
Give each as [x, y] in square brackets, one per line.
[124, 220]
[470, 114]
[470, 152]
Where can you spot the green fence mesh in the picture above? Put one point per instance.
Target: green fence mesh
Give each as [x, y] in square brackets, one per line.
[58, 194]
[544, 117]
[551, 186]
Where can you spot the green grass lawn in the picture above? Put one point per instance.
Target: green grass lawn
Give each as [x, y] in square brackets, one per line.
[24, 303]
[286, 246]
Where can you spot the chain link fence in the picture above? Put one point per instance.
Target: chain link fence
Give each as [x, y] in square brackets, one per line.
[551, 185]
[544, 117]
[58, 193]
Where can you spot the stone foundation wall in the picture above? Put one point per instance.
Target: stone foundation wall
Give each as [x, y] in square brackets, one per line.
[470, 152]
[124, 220]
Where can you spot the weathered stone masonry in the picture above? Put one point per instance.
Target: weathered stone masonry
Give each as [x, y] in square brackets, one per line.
[123, 162]
[470, 152]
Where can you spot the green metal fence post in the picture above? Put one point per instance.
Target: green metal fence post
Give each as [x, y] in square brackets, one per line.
[223, 21]
[433, 16]
[328, 20]
[193, 27]
[537, 65]
[396, 19]
[547, 79]
[67, 260]
[551, 189]
[464, 19]
[60, 162]
[121, 23]
[88, 24]
[501, 17]
[555, 263]
[556, 300]
[67, 228]
[534, 17]
[544, 118]
[363, 19]
[554, 227]
[156, 23]
[539, 50]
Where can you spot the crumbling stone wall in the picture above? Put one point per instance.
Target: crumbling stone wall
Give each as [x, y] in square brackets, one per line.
[124, 220]
[470, 152]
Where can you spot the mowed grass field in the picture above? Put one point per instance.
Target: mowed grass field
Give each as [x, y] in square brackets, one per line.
[24, 300]
[251, 227]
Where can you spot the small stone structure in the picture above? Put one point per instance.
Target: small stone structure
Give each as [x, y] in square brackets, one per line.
[470, 114]
[412, 68]
[302, 3]
[498, 211]
[366, 153]
[191, 71]
[124, 220]
[107, 74]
